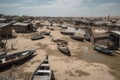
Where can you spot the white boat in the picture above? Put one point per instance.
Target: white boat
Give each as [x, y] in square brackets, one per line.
[43, 71]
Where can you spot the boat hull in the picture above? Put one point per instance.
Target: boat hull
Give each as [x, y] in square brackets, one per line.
[67, 33]
[37, 37]
[103, 50]
[3, 53]
[60, 41]
[17, 60]
[65, 50]
[36, 76]
[46, 33]
[76, 38]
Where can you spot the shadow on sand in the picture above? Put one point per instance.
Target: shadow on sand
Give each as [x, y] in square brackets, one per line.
[107, 54]
[52, 76]
[68, 54]
[9, 37]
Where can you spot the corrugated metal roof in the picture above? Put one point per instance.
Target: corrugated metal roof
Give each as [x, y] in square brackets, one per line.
[116, 32]
[117, 24]
[100, 22]
[2, 19]
[4, 24]
[118, 21]
[101, 35]
[21, 24]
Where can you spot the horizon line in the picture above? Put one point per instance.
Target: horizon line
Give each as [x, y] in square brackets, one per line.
[58, 16]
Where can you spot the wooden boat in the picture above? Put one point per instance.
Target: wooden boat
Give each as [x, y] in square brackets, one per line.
[102, 49]
[67, 33]
[3, 53]
[15, 58]
[51, 28]
[43, 71]
[45, 33]
[37, 37]
[64, 27]
[60, 41]
[79, 38]
[64, 49]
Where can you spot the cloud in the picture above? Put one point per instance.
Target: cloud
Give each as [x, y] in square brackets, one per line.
[66, 3]
[61, 8]
[57, 4]
[29, 1]
[6, 5]
[55, 8]
[107, 5]
[106, 9]
[89, 0]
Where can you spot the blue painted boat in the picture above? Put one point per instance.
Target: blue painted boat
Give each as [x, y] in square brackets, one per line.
[103, 49]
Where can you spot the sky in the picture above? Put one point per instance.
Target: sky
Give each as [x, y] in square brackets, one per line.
[60, 8]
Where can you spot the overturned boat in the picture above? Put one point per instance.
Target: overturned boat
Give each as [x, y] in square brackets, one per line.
[45, 33]
[77, 37]
[64, 49]
[3, 53]
[64, 27]
[37, 37]
[43, 71]
[67, 33]
[15, 58]
[60, 41]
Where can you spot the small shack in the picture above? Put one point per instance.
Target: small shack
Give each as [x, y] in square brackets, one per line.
[24, 27]
[5, 30]
[101, 38]
[97, 35]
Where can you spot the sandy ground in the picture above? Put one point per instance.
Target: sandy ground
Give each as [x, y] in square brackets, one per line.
[64, 67]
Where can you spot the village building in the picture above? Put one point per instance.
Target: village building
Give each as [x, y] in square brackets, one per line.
[5, 30]
[114, 26]
[3, 20]
[117, 24]
[24, 27]
[100, 23]
[97, 35]
[115, 39]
